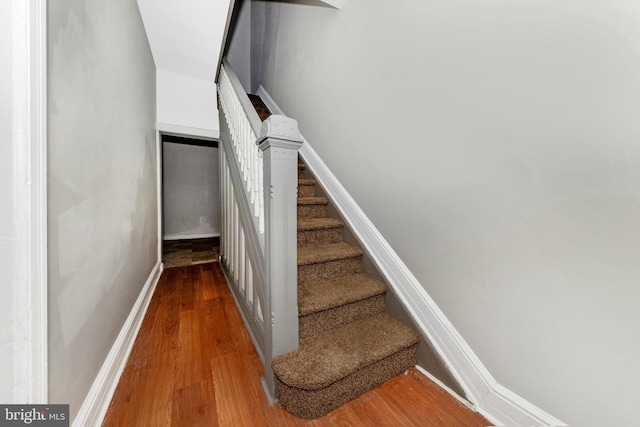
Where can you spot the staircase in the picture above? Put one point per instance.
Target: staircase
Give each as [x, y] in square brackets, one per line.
[348, 344]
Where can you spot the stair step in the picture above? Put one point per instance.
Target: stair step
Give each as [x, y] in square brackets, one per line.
[348, 344]
[327, 262]
[322, 295]
[325, 373]
[306, 224]
[322, 362]
[319, 231]
[312, 207]
[325, 253]
[312, 201]
[306, 187]
[326, 305]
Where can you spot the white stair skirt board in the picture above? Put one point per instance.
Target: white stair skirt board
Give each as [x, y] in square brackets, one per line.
[498, 404]
[95, 405]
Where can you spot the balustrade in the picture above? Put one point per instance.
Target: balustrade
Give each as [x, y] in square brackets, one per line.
[258, 166]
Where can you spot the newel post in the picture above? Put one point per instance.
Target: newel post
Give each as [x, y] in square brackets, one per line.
[279, 142]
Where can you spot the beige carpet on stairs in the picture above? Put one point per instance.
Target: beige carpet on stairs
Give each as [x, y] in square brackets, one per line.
[348, 344]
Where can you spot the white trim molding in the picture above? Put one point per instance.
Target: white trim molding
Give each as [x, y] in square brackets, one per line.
[498, 404]
[446, 388]
[27, 240]
[187, 131]
[95, 405]
[159, 193]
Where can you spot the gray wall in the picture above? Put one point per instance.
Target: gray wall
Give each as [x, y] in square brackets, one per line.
[191, 194]
[102, 183]
[239, 50]
[495, 146]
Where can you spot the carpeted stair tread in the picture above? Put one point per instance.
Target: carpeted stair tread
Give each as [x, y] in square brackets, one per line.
[312, 201]
[319, 363]
[306, 187]
[318, 223]
[312, 207]
[318, 254]
[348, 344]
[306, 181]
[323, 295]
[260, 107]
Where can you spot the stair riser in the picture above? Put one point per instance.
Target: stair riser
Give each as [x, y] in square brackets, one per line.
[306, 190]
[325, 236]
[316, 403]
[328, 270]
[316, 324]
[312, 211]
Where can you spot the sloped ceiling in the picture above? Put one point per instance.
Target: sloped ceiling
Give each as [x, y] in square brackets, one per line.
[185, 35]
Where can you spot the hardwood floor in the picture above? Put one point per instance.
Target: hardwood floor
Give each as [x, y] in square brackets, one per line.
[193, 364]
[180, 253]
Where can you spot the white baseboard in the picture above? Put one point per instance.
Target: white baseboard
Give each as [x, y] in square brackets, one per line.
[97, 402]
[498, 404]
[446, 388]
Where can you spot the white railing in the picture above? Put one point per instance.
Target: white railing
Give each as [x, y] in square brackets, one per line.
[242, 127]
[258, 239]
[239, 264]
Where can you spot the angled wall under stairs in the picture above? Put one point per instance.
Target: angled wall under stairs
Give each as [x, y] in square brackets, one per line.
[348, 343]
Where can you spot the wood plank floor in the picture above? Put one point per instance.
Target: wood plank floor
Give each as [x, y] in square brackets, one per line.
[183, 252]
[193, 364]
